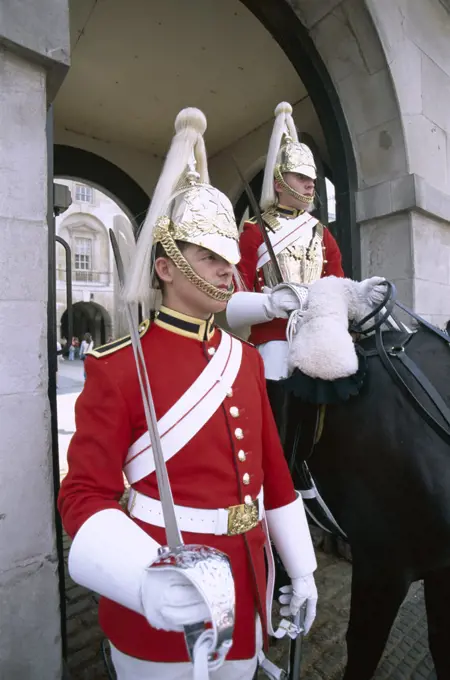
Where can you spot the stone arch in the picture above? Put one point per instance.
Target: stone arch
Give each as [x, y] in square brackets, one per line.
[88, 167]
[88, 317]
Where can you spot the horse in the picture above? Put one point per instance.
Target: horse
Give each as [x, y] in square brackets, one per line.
[380, 463]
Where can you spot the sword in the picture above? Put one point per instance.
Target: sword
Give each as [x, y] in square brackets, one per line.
[209, 570]
[259, 219]
[173, 534]
[296, 648]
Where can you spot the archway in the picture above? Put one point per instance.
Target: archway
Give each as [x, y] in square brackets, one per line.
[85, 166]
[89, 317]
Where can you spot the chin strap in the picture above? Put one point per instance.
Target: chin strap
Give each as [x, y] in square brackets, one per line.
[289, 190]
[171, 249]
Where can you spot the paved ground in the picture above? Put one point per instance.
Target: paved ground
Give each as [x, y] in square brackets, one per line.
[406, 656]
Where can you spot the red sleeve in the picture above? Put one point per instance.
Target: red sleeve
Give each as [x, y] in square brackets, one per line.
[249, 242]
[97, 450]
[278, 485]
[333, 266]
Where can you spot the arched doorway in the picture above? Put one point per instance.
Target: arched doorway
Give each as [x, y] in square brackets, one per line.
[88, 167]
[88, 317]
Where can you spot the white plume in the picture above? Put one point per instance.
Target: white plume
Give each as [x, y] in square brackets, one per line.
[284, 123]
[187, 144]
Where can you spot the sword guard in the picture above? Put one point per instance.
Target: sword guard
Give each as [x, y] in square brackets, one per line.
[209, 570]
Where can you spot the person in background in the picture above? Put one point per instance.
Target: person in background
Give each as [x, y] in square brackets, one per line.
[86, 346]
[74, 345]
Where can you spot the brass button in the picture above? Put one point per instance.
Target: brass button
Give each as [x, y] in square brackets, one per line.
[234, 412]
[211, 351]
[246, 478]
[241, 455]
[238, 433]
[248, 500]
[230, 393]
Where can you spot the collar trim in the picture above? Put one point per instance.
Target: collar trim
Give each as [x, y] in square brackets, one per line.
[182, 324]
[287, 212]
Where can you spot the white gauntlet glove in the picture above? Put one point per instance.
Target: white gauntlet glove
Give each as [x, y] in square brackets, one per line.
[303, 589]
[282, 301]
[111, 555]
[170, 601]
[247, 309]
[373, 290]
[289, 531]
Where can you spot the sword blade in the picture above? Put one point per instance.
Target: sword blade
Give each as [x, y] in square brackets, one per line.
[296, 647]
[173, 534]
[257, 213]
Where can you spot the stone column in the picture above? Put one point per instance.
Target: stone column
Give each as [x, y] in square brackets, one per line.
[406, 220]
[30, 635]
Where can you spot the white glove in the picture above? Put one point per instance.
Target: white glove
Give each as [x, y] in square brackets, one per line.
[170, 601]
[248, 309]
[281, 302]
[303, 589]
[110, 554]
[372, 290]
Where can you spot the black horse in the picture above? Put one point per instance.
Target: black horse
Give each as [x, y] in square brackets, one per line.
[382, 465]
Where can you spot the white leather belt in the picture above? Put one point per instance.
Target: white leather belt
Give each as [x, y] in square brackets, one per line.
[224, 521]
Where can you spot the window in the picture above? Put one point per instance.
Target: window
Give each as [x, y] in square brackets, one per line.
[84, 193]
[83, 254]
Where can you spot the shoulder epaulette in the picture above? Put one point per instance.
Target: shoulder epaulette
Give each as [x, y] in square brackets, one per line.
[115, 345]
[264, 215]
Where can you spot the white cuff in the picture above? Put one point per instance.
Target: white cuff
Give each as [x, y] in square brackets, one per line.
[109, 555]
[248, 309]
[290, 534]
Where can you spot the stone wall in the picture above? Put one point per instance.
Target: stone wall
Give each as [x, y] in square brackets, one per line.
[30, 636]
[390, 64]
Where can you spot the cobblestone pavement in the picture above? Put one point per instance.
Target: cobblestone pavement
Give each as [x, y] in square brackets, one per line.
[406, 657]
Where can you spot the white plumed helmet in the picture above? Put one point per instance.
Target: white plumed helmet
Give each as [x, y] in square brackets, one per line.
[185, 207]
[285, 154]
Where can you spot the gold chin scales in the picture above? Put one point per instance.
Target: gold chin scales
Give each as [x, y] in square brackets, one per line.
[289, 190]
[172, 251]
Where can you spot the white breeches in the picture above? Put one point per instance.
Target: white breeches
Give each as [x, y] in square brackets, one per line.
[129, 668]
[275, 355]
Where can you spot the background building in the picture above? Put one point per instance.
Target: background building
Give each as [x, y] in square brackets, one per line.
[85, 227]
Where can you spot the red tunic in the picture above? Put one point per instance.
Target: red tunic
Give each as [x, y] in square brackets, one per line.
[205, 473]
[249, 243]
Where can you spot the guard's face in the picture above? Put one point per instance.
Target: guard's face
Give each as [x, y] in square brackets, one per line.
[300, 183]
[210, 267]
[305, 186]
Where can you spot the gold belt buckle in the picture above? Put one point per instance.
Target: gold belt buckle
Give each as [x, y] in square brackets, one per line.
[242, 518]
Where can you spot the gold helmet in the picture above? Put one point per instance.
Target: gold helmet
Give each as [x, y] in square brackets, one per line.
[185, 207]
[286, 154]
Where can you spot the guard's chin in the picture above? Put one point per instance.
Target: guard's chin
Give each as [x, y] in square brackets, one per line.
[309, 207]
